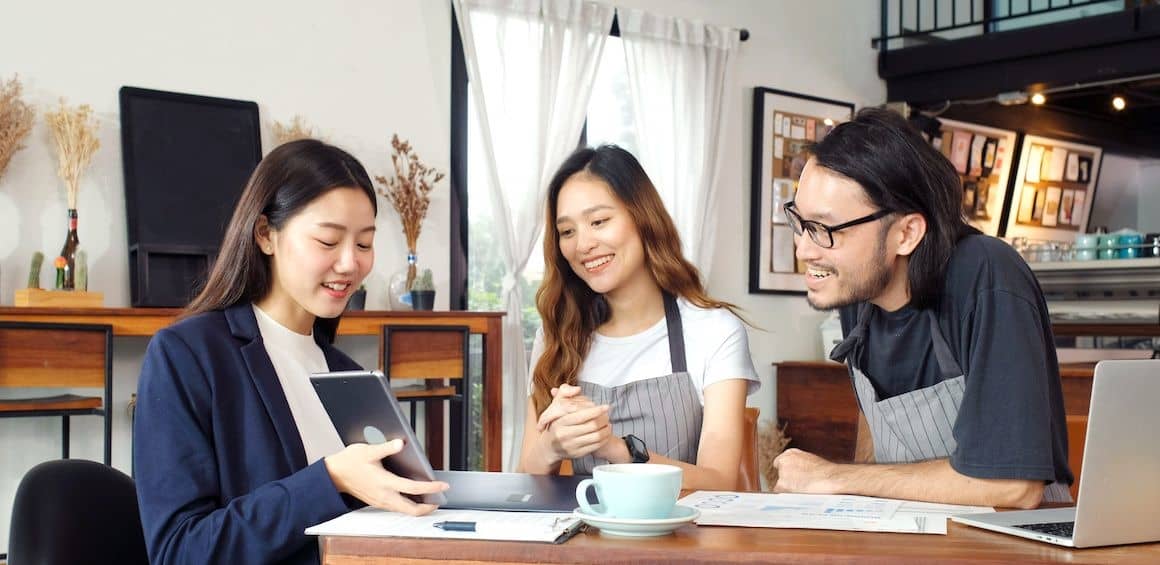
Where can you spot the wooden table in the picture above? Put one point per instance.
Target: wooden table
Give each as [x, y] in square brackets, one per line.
[144, 322]
[962, 544]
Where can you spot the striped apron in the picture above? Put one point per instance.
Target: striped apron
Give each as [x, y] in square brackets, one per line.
[917, 425]
[664, 411]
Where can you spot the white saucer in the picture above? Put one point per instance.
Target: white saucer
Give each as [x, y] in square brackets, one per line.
[639, 528]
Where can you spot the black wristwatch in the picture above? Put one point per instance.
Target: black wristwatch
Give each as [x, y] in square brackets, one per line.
[636, 448]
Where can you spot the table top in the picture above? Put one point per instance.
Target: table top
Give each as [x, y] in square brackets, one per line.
[144, 322]
[962, 544]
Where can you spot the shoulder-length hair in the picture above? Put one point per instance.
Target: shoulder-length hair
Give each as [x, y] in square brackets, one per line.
[569, 309]
[901, 172]
[287, 180]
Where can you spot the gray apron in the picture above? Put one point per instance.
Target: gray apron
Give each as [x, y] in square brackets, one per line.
[663, 411]
[917, 425]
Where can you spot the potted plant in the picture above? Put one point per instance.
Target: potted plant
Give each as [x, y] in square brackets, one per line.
[423, 292]
[358, 299]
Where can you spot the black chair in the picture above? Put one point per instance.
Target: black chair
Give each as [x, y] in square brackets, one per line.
[436, 358]
[75, 511]
[52, 355]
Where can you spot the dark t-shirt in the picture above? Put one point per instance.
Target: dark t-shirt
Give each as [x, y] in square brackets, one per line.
[992, 313]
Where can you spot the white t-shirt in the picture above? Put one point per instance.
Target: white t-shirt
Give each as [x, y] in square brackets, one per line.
[294, 357]
[716, 349]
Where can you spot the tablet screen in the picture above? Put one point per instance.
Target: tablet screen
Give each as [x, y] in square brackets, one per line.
[364, 410]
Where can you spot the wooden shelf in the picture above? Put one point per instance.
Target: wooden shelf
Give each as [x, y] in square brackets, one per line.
[144, 322]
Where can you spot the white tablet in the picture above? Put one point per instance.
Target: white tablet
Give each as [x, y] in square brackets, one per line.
[364, 410]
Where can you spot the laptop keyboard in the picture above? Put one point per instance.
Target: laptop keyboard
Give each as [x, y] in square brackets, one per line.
[1058, 529]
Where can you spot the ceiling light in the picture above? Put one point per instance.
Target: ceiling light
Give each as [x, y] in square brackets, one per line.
[828, 121]
[1119, 103]
[1038, 99]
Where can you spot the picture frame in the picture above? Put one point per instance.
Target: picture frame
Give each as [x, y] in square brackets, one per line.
[1055, 185]
[784, 124]
[982, 157]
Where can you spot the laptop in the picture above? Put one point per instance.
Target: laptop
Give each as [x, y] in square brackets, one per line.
[1119, 491]
[363, 410]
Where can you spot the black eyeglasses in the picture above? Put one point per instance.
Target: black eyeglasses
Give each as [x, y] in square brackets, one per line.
[820, 233]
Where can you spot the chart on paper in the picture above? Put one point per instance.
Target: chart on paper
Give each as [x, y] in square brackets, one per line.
[823, 512]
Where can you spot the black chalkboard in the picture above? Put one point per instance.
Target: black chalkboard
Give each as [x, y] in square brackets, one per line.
[186, 159]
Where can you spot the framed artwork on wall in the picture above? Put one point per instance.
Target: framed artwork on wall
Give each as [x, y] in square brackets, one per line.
[784, 124]
[982, 157]
[1054, 189]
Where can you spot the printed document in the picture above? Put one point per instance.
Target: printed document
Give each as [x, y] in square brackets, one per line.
[823, 512]
[489, 525]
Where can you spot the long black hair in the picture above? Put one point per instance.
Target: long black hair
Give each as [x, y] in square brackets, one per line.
[900, 171]
[287, 180]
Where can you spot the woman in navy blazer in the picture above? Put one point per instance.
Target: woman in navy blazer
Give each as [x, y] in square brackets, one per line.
[233, 455]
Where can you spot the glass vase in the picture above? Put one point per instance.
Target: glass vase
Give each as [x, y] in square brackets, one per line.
[399, 285]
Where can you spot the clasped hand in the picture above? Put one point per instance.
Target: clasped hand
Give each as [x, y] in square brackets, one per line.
[358, 471]
[573, 426]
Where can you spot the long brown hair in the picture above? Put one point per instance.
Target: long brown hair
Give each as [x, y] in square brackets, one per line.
[287, 180]
[569, 309]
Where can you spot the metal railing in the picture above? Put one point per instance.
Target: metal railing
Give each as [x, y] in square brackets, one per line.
[910, 22]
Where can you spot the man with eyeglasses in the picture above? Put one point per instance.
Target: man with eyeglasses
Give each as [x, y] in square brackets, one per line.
[948, 339]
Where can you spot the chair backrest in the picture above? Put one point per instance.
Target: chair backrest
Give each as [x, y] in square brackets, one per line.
[749, 478]
[424, 352]
[76, 511]
[50, 355]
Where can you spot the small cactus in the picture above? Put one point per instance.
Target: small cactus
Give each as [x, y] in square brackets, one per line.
[82, 276]
[34, 270]
[424, 282]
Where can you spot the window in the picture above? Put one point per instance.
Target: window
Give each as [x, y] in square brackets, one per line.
[610, 120]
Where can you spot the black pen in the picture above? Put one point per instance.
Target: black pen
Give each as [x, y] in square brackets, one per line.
[455, 526]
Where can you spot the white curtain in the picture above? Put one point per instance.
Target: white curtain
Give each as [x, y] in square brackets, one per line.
[531, 64]
[680, 73]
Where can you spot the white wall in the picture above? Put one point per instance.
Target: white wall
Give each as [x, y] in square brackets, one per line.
[1149, 200]
[1128, 194]
[358, 71]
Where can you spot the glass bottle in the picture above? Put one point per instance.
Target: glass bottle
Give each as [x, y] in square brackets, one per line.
[69, 252]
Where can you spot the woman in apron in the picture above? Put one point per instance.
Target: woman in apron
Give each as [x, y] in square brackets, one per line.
[634, 362]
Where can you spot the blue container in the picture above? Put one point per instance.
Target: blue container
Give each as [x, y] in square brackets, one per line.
[1130, 244]
[1108, 246]
[1085, 246]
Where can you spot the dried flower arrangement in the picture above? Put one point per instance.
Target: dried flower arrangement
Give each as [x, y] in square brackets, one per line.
[74, 132]
[15, 120]
[408, 191]
[295, 130]
[771, 441]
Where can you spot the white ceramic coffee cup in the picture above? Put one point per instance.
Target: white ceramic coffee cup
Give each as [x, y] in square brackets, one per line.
[632, 490]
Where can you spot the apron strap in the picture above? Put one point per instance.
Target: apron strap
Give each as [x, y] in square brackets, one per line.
[843, 350]
[676, 335]
[948, 368]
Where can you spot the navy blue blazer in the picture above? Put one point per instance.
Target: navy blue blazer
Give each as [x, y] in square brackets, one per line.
[220, 468]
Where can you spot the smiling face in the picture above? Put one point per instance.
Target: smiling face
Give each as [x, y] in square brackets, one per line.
[598, 237]
[861, 266]
[318, 258]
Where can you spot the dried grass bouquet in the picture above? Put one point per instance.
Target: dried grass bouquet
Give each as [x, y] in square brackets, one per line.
[771, 441]
[295, 130]
[74, 131]
[408, 192]
[15, 120]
